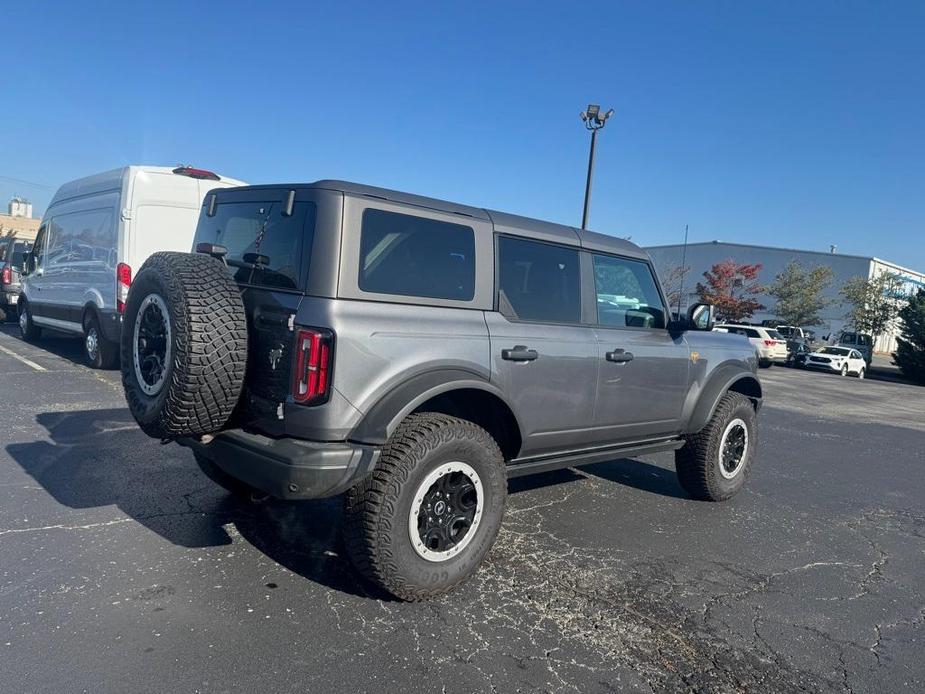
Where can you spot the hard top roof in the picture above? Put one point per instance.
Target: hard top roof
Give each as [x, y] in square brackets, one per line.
[503, 222]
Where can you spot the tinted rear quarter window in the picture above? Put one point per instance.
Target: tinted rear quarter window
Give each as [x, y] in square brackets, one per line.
[261, 228]
[539, 281]
[408, 255]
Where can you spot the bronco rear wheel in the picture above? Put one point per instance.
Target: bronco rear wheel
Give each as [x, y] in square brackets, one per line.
[184, 345]
[424, 519]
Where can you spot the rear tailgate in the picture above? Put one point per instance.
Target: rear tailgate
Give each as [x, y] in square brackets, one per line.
[268, 242]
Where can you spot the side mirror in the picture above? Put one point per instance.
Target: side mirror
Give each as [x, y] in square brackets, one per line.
[700, 317]
[28, 264]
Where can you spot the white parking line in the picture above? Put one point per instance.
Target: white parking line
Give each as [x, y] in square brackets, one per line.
[27, 362]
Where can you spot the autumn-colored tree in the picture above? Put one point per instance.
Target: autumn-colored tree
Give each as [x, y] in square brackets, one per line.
[672, 278]
[732, 287]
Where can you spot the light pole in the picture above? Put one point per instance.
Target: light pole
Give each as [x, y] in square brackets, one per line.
[594, 120]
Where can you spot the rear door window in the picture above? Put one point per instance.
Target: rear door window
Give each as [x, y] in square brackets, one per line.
[407, 255]
[252, 229]
[539, 281]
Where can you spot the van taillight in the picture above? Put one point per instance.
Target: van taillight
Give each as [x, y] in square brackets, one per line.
[7, 276]
[123, 282]
[201, 174]
[311, 377]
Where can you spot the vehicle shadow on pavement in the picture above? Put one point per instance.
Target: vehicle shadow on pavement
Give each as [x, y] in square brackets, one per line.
[60, 344]
[100, 458]
[639, 475]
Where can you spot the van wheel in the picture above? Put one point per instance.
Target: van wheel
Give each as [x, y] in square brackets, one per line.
[100, 352]
[714, 462]
[184, 345]
[424, 519]
[27, 329]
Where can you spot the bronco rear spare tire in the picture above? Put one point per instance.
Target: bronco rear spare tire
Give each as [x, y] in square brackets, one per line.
[184, 345]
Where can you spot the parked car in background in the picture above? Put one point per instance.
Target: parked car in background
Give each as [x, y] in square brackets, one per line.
[797, 353]
[770, 344]
[96, 232]
[859, 341]
[12, 255]
[840, 360]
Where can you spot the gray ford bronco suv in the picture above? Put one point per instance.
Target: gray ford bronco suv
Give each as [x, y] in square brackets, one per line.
[413, 354]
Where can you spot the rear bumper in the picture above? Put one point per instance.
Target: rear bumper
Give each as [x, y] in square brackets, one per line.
[288, 468]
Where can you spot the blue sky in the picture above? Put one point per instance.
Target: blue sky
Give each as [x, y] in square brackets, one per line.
[790, 124]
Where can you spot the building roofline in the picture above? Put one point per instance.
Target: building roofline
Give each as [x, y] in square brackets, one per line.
[770, 248]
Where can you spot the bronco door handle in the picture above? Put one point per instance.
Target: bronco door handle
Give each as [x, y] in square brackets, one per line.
[519, 353]
[619, 356]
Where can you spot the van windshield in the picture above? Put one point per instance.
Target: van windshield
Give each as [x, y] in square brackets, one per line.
[252, 229]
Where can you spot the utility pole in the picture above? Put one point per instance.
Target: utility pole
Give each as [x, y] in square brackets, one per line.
[594, 120]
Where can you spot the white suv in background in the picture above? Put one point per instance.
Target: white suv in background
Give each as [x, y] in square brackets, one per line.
[770, 344]
[96, 232]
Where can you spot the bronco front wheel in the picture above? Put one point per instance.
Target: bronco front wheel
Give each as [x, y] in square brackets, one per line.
[714, 462]
[424, 519]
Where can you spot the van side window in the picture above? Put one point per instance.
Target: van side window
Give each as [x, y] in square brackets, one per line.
[415, 256]
[627, 296]
[80, 237]
[539, 281]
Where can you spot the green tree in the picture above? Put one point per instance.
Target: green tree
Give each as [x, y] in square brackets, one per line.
[731, 288]
[910, 351]
[799, 293]
[874, 303]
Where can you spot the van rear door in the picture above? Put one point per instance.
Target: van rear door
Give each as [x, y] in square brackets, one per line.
[269, 242]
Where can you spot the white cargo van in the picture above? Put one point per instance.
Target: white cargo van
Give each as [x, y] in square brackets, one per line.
[96, 232]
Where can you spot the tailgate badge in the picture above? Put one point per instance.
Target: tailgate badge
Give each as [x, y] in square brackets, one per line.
[275, 354]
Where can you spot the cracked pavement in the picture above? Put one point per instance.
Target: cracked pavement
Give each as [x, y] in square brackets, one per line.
[123, 567]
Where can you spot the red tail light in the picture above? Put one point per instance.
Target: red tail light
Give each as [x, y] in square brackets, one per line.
[770, 343]
[311, 377]
[123, 282]
[7, 277]
[196, 173]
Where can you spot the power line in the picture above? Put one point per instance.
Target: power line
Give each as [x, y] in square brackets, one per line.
[22, 182]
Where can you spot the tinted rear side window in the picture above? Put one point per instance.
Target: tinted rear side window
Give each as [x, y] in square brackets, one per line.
[260, 228]
[415, 256]
[539, 281]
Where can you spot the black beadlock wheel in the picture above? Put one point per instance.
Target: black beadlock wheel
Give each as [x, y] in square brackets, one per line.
[184, 345]
[422, 522]
[714, 462]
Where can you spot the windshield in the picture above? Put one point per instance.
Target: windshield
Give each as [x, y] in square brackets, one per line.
[838, 351]
[774, 335]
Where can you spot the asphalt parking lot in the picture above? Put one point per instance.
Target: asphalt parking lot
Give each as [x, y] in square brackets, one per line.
[123, 568]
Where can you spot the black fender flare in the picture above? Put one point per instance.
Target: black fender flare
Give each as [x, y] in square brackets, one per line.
[382, 418]
[723, 379]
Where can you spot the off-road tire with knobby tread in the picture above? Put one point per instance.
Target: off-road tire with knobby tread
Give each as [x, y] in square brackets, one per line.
[208, 331]
[377, 508]
[107, 352]
[698, 461]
